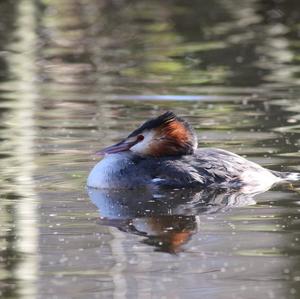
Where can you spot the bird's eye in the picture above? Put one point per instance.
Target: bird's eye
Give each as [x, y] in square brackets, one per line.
[140, 138]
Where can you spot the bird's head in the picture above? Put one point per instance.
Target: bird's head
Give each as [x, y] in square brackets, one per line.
[165, 135]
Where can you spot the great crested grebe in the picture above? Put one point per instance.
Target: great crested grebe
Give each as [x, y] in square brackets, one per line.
[163, 152]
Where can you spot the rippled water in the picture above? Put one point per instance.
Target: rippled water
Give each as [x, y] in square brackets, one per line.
[78, 75]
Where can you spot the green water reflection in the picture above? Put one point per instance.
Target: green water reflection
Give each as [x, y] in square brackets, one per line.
[78, 75]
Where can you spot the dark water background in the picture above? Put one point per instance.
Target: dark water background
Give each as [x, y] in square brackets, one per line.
[77, 75]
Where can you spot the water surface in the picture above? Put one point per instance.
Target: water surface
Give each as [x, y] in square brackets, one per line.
[79, 75]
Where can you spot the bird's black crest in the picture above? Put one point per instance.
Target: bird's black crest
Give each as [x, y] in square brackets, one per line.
[156, 122]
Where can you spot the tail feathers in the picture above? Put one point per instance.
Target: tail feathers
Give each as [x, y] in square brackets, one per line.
[287, 176]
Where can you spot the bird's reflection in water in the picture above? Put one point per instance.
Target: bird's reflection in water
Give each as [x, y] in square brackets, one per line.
[167, 219]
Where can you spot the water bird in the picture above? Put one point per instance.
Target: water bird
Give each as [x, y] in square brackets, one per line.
[163, 152]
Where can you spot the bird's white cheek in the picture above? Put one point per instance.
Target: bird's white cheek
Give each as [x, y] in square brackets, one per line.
[143, 147]
[140, 147]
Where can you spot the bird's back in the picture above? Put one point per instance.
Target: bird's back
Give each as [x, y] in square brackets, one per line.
[208, 167]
